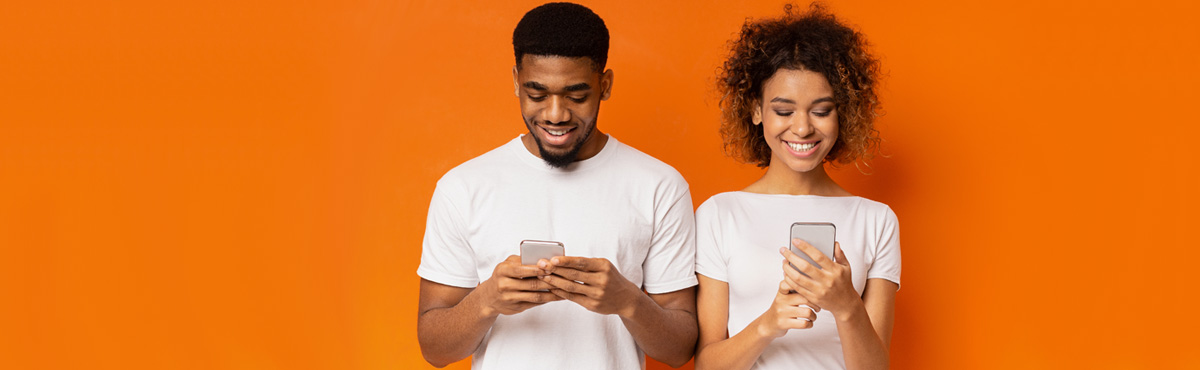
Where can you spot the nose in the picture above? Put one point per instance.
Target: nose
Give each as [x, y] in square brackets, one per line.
[556, 111]
[802, 125]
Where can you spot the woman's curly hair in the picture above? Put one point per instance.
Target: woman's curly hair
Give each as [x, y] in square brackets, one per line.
[813, 40]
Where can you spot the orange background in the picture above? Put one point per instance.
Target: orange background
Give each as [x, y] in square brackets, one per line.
[243, 185]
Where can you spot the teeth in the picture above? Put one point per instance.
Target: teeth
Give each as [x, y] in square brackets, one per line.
[801, 147]
[557, 132]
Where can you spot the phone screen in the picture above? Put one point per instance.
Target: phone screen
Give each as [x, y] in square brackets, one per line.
[534, 250]
[818, 234]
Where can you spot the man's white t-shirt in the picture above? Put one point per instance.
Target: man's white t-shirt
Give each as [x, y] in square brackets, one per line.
[738, 236]
[621, 204]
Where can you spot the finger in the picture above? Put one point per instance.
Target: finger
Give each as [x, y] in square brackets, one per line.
[570, 286]
[532, 297]
[512, 267]
[799, 263]
[531, 284]
[579, 299]
[839, 256]
[794, 323]
[578, 263]
[812, 252]
[801, 312]
[792, 287]
[576, 275]
[796, 278]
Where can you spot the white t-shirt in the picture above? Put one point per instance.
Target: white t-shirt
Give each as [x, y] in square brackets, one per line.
[621, 204]
[738, 236]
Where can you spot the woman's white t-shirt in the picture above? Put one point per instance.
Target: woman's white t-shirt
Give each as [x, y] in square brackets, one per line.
[738, 236]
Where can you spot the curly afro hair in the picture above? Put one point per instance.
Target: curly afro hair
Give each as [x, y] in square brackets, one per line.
[813, 40]
[562, 29]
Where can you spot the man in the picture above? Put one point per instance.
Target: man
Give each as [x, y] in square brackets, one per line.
[624, 217]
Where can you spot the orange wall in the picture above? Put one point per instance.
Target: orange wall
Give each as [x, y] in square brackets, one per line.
[242, 185]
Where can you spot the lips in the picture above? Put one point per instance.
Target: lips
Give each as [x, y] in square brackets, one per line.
[557, 136]
[804, 149]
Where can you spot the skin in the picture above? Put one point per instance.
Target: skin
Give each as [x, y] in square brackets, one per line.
[798, 107]
[561, 93]
[556, 93]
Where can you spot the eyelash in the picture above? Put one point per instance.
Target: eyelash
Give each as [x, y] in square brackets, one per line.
[818, 114]
[540, 98]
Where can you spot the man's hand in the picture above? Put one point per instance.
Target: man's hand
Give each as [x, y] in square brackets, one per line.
[508, 291]
[593, 283]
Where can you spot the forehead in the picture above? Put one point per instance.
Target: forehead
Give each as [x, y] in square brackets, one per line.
[556, 71]
[798, 84]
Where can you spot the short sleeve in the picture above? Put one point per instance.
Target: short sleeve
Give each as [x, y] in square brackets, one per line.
[887, 250]
[446, 257]
[710, 259]
[671, 262]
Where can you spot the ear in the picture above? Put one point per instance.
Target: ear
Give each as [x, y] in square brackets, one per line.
[756, 113]
[606, 83]
[516, 86]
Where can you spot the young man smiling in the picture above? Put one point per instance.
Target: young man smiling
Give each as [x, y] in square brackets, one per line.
[625, 288]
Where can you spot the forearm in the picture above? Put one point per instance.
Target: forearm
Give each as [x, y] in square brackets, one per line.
[451, 334]
[861, 346]
[667, 335]
[737, 352]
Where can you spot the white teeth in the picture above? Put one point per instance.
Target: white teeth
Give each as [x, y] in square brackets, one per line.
[557, 132]
[801, 147]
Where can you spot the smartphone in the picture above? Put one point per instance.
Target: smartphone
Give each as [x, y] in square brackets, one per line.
[818, 234]
[534, 250]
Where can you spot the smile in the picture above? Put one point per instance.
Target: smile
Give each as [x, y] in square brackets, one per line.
[558, 132]
[801, 147]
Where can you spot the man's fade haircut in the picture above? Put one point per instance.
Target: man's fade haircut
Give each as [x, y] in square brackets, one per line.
[562, 29]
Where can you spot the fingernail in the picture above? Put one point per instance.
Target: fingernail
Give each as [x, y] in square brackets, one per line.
[554, 260]
[542, 263]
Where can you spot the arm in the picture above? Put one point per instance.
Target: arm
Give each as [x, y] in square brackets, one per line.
[451, 321]
[861, 326]
[719, 351]
[663, 325]
[866, 331]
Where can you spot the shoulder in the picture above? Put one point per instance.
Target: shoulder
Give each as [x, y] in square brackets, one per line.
[721, 201]
[638, 165]
[878, 211]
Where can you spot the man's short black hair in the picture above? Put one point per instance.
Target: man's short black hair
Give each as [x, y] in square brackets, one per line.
[562, 29]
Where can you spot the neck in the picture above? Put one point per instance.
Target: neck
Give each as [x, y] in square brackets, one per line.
[780, 179]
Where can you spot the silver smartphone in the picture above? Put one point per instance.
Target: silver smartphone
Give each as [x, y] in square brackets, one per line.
[818, 234]
[534, 250]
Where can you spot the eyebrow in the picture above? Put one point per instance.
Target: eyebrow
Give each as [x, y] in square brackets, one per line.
[583, 86]
[536, 86]
[790, 101]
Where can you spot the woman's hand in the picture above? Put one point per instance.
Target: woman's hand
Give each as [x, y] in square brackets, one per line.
[830, 286]
[789, 311]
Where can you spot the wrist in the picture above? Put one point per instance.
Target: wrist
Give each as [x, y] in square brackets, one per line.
[763, 330]
[634, 307]
[482, 299]
[855, 312]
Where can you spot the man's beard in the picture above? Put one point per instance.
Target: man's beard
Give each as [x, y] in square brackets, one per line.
[560, 160]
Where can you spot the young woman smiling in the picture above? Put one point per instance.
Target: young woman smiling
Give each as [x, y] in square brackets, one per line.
[798, 94]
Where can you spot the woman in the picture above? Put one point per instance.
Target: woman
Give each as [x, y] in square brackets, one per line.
[798, 93]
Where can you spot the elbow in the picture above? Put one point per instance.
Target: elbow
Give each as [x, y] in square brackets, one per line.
[435, 361]
[433, 357]
[677, 363]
